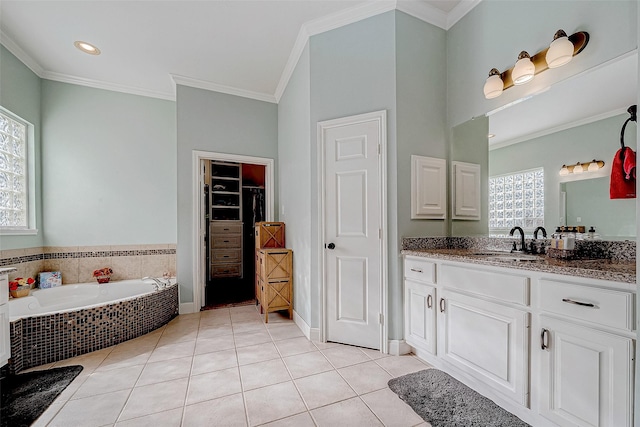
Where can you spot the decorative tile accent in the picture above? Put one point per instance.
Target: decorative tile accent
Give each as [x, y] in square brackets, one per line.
[44, 339]
[77, 262]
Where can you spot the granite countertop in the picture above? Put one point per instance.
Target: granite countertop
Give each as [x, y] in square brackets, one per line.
[603, 269]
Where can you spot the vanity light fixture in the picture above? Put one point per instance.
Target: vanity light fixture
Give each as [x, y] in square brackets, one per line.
[524, 70]
[594, 166]
[86, 47]
[578, 168]
[561, 51]
[494, 85]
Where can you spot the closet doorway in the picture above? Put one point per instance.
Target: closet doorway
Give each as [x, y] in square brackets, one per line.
[235, 192]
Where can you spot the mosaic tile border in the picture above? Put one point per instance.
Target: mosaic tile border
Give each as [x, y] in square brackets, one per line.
[45, 339]
[83, 254]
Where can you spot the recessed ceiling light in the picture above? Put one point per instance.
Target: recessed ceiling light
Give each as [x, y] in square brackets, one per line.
[87, 47]
[490, 135]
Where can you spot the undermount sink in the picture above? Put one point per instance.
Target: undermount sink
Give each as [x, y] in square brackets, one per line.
[514, 257]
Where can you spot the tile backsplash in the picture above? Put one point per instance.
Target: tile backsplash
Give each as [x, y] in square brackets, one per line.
[77, 263]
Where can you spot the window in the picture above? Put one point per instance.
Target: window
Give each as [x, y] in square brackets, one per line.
[516, 200]
[15, 214]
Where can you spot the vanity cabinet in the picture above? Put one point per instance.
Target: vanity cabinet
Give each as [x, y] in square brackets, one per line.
[486, 340]
[586, 376]
[420, 316]
[586, 353]
[554, 349]
[420, 301]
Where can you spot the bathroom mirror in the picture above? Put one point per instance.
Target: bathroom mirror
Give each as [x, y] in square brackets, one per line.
[576, 120]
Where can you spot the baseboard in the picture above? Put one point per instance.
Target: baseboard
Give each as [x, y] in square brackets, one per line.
[306, 329]
[398, 347]
[315, 334]
[186, 308]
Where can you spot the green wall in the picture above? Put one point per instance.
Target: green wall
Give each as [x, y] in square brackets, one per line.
[294, 156]
[20, 94]
[109, 169]
[353, 72]
[220, 123]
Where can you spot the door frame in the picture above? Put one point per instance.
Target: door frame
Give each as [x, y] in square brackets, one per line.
[199, 281]
[322, 126]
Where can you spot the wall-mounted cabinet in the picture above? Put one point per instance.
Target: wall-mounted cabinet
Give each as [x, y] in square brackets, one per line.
[428, 188]
[465, 184]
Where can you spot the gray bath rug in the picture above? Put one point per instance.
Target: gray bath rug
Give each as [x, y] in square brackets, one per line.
[444, 401]
[26, 396]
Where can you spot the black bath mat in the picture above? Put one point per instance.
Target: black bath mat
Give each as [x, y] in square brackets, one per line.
[444, 401]
[26, 396]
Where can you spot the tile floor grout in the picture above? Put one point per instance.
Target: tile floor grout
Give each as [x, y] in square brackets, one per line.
[233, 326]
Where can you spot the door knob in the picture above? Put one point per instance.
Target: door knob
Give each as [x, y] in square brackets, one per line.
[331, 246]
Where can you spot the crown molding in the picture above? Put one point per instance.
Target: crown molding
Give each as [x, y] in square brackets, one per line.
[458, 12]
[115, 87]
[424, 12]
[348, 16]
[17, 51]
[229, 90]
[339, 19]
[556, 129]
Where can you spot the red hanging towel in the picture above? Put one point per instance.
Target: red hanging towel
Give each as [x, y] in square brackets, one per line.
[623, 175]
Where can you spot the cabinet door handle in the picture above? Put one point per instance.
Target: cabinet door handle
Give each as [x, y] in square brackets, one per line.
[583, 304]
[429, 301]
[417, 270]
[544, 339]
[441, 305]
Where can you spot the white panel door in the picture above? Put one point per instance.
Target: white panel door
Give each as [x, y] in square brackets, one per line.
[586, 377]
[352, 224]
[486, 340]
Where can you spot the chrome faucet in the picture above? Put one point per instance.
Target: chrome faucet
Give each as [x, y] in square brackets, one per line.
[159, 284]
[523, 248]
[535, 232]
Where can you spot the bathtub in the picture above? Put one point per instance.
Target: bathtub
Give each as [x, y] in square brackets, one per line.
[54, 324]
[78, 296]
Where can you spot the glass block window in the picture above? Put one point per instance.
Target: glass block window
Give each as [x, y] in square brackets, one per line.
[13, 173]
[517, 200]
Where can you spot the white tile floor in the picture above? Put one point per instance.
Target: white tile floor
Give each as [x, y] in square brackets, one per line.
[226, 367]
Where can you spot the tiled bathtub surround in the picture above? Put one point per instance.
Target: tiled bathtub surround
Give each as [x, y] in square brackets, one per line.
[585, 249]
[78, 262]
[44, 339]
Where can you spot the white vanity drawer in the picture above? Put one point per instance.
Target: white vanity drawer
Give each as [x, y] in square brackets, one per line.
[500, 286]
[606, 307]
[420, 269]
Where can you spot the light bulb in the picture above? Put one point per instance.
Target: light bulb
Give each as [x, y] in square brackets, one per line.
[560, 51]
[524, 70]
[564, 171]
[577, 169]
[593, 166]
[494, 85]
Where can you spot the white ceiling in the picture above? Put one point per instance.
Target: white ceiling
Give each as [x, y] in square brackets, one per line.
[248, 48]
[595, 94]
